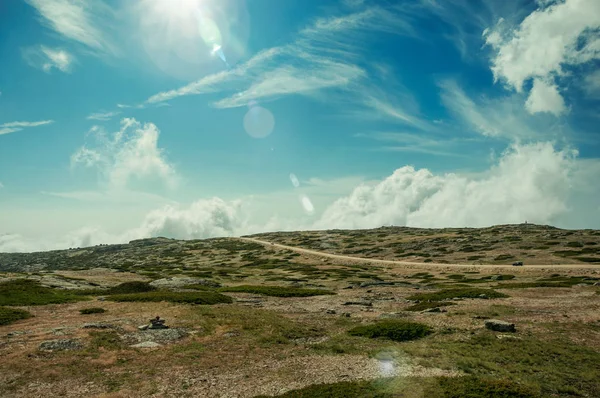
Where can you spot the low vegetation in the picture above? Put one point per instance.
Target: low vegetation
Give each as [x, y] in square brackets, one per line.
[457, 293]
[207, 298]
[92, 310]
[392, 330]
[131, 287]
[9, 315]
[29, 292]
[428, 304]
[277, 291]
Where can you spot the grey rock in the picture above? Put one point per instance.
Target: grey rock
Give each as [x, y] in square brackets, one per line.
[146, 344]
[330, 311]
[143, 327]
[157, 336]
[61, 345]
[500, 326]
[483, 296]
[15, 333]
[346, 314]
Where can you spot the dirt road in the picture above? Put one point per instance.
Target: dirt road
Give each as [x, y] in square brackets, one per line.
[407, 264]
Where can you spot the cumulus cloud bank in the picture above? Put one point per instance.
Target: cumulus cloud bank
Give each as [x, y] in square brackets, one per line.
[530, 182]
[535, 182]
[128, 154]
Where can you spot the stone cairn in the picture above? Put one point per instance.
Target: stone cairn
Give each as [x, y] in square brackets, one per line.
[155, 323]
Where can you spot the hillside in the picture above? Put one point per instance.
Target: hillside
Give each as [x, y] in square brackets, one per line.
[308, 314]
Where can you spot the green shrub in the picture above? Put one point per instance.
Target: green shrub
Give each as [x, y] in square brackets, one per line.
[427, 305]
[392, 330]
[10, 315]
[174, 297]
[109, 340]
[29, 292]
[574, 244]
[457, 293]
[344, 389]
[131, 287]
[92, 310]
[276, 291]
[477, 387]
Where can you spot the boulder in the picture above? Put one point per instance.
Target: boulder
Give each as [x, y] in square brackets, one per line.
[143, 327]
[330, 311]
[500, 326]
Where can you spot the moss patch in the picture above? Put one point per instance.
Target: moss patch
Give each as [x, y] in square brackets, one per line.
[10, 315]
[174, 297]
[457, 293]
[392, 330]
[277, 291]
[28, 292]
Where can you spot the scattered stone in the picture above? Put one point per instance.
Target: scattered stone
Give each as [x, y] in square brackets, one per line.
[349, 287]
[233, 333]
[146, 344]
[364, 303]
[393, 315]
[330, 311]
[15, 333]
[98, 326]
[500, 326]
[61, 331]
[143, 327]
[177, 282]
[61, 345]
[483, 296]
[369, 284]
[481, 317]
[346, 314]
[156, 335]
[434, 310]
[507, 336]
[101, 298]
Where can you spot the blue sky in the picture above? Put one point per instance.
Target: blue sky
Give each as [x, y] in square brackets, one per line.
[197, 118]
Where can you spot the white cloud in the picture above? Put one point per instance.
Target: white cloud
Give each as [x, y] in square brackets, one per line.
[103, 115]
[46, 58]
[545, 43]
[76, 20]
[544, 97]
[321, 57]
[591, 84]
[128, 155]
[12, 127]
[530, 182]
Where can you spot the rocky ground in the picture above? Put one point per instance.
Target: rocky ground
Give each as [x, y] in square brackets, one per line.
[264, 345]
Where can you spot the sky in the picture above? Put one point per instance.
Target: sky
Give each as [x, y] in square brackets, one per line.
[122, 120]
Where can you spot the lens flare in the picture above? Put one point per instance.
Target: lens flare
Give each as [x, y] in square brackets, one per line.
[307, 204]
[259, 122]
[294, 180]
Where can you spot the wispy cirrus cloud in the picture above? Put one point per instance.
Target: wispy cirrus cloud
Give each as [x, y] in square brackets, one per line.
[76, 20]
[13, 127]
[410, 142]
[46, 58]
[323, 56]
[103, 116]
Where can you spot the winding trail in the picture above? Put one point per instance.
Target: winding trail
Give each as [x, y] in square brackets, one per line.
[408, 264]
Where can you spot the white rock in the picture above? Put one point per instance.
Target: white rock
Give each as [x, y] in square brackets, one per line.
[146, 344]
